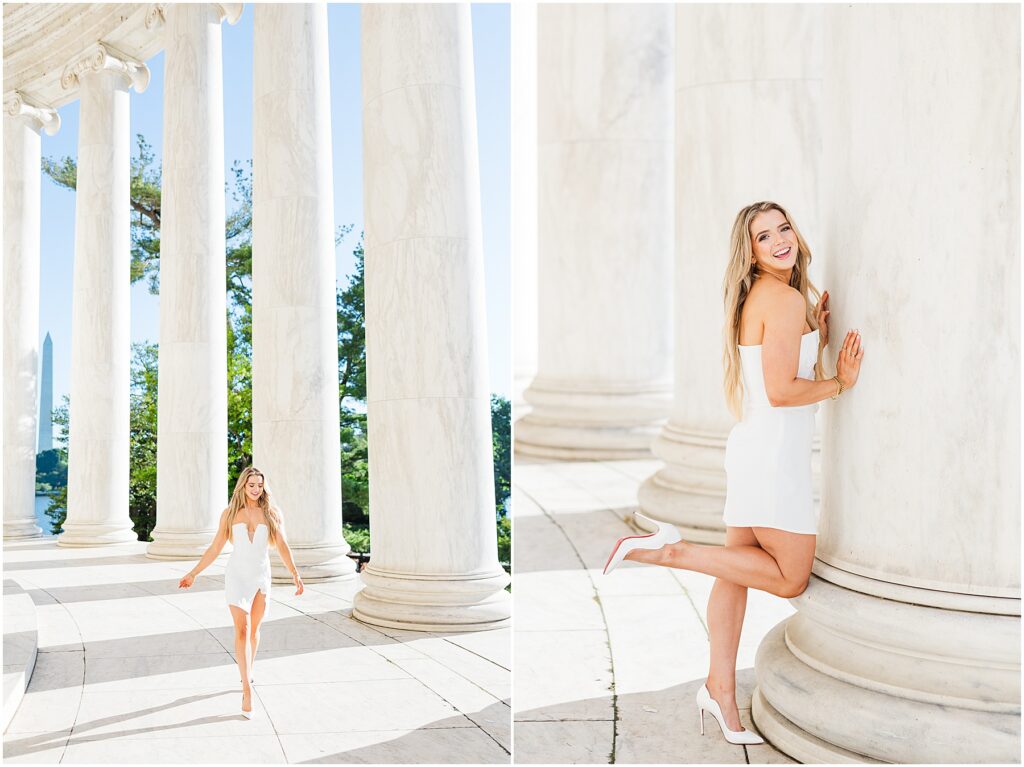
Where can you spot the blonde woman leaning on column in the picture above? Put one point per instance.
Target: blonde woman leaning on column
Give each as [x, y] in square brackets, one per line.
[773, 382]
[252, 524]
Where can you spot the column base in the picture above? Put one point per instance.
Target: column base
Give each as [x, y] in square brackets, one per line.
[476, 602]
[689, 490]
[569, 422]
[316, 562]
[22, 528]
[853, 678]
[697, 515]
[171, 545]
[83, 534]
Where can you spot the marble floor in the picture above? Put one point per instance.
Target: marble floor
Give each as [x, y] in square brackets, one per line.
[606, 668]
[132, 669]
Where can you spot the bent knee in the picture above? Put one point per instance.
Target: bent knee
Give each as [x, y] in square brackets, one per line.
[793, 588]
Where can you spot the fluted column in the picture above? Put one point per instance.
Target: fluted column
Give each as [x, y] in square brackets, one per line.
[100, 340]
[296, 432]
[22, 123]
[523, 197]
[731, 104]
[192, 450]
[434, 563]
[604, 158]
[906, 645]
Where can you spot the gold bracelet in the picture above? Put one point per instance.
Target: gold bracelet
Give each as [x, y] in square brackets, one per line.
[840, 389]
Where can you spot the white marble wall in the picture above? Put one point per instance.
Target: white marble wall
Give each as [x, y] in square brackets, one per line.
[296, 439]
[909, 634]
[192, 449]
[434, 562]
[748, 128]
[22, 124]
[100, 341]
[604, 231]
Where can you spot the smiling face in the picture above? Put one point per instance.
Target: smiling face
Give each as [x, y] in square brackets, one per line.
[774, 243]
[254, 487]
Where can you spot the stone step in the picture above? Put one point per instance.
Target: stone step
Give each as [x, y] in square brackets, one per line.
[21, 640]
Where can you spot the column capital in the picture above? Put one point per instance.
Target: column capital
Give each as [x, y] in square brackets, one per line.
[41, 117]
[230, 11]
[156, 17]
[99, 57]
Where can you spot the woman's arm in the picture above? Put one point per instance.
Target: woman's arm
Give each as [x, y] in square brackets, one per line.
[211, 553]
[780, 355]
[286, 557]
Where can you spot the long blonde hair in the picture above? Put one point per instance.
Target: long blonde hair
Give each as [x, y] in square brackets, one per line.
[271, 516]
[739, 278]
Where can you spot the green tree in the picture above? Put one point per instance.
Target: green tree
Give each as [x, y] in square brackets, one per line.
[57, 510]
[501, 439]
[142, 440]
[51, 471]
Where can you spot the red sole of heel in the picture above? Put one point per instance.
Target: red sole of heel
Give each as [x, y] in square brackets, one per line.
[619, 543]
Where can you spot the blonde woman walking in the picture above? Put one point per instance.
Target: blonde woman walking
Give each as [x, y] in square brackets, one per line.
[774, 340]
[252, 524]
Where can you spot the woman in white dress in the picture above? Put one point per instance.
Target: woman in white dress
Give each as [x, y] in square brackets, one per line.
[774, 379]
[252, 524]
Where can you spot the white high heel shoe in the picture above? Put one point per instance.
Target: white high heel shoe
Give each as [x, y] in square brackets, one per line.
[737, 737]
[252, 711]
[664, 535]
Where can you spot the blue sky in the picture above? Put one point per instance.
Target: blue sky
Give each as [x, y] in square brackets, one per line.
[491, 57]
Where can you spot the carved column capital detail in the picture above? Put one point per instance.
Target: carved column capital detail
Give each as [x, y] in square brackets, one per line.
[45, 118]
[155, 16]
[99, 57]
[230, 11]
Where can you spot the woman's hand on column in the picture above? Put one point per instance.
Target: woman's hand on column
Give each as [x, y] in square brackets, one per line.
[299, 588]
[850, 356]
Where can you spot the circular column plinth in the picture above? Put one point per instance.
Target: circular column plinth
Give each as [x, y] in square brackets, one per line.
[570, 422]
[316, 562]
[183, 544]
[476, 602]
[83, 534]
[21, 528]
[854, 677]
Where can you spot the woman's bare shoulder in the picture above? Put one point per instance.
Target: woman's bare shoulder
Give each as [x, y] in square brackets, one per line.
[769, 301]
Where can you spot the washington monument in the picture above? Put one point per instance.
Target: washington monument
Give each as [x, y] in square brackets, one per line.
[46, 398]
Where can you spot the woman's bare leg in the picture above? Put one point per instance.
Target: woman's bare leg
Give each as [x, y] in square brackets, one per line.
[243, 653]
[726, 608]
[780, 564]
[259, 607]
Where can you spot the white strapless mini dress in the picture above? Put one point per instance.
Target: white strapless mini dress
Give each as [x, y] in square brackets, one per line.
[248, 569]
[768, 453]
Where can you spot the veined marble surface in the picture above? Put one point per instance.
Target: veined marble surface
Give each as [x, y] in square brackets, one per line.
[100, 312]
[604, 132]
[295, 353]
[21, 323]
[192, 408]
[435, 560]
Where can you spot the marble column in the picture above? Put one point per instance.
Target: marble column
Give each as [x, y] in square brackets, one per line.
[192, 423]
[434, 562]
[100, 341]
[731, 104]
[906, 645]
[296, 432]
[22, 124]
[604, 131]
[523, 198]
